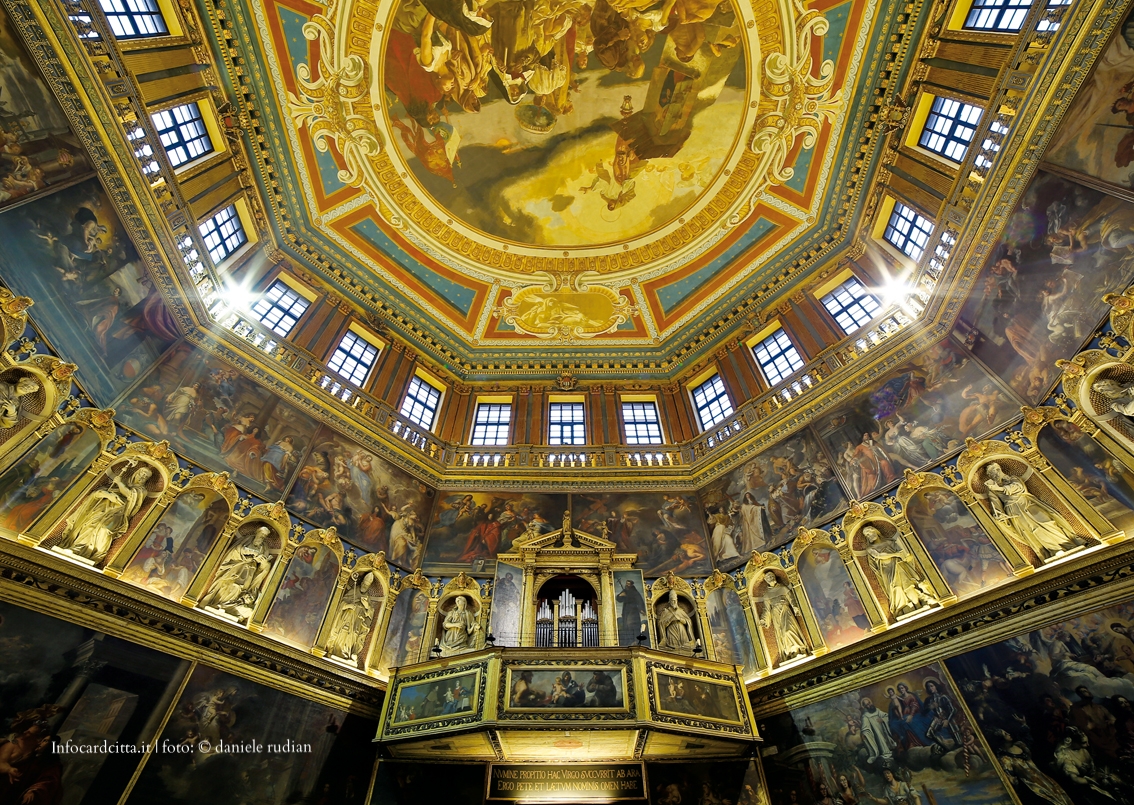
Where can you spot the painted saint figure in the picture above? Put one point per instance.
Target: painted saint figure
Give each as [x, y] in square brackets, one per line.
[781, 615]
[241, 576]
[675, 627]
[1034, 522]
[893, 563]
[105, 515]
[458, 628]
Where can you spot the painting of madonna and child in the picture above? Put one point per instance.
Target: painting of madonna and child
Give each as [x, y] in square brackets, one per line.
[369, 501]
[1056, 707]
[594, 122]
[1039, 297]
[902, 741]
[762, 504]
[220, 419]
[913, 416]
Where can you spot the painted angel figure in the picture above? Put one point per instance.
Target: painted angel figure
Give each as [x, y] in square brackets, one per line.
[105, 515]
[782, 615]
[1035, 523]
[906, 586]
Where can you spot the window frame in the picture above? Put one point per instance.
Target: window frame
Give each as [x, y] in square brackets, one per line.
[834, 317]
[367, 343]
[406, 398]
[132, 15]
[698, 409]
[181, 143]
[581, 424]
[246, 240]
[792, 349]
[970, 8]
[489, 405]
[920, 135]
[279, 281]
[634, 441]
[886, 225]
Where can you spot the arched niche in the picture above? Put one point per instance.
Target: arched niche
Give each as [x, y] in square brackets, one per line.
[729, 630]
[233, 579]
[304, 588]
[899, 572]
[968, 557]
[165, 559]
[48, 470]
[123, 498]
[404, 640]
[457, 627]
[786, 623]
[844, 610]
[30, 393]
[566, 611]
[357, 613]
[676, 619]
[1039, 521]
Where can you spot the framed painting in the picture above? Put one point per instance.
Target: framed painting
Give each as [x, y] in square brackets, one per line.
[696, 697]
[435, 699]
[571, 686]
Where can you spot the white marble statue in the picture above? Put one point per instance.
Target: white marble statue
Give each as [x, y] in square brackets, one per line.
[781, 615]
[905, 585]
[1032, 521]
[105, 515]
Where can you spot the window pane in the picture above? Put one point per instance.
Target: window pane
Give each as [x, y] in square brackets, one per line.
[566, 424]
[223, 234]
[851, 305]
[777, 357]
[280, 308]
[354, 358]
[712, 402]
[640, 423]
[950, 128]
[492, 424]
[908, 231]
[997, 15]
[420, 404]
[134, 19]
[182, 133]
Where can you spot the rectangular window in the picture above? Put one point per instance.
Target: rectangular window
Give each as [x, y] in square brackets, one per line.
[997, 15]
[950, 128]
[777, 357]
[712, 402]
[354, 358]
[851, 305]
[280, 308]
[421, 403]
[640, 423]
[134, 19]
[492, 424]
[566, 423]
[908, 231]
[223, 234]
[183, 133]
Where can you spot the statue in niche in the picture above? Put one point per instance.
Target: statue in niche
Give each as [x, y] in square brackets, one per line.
[675, 627]
[105, 515]
[781, 615]
[353, 621]
[241, 575]
[893, 563]
[458, 628]
[10, 394]
[1035, 523]
[1121, 396]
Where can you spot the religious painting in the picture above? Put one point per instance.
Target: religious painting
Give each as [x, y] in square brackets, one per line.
[833, 596]
[1106, 483]
[507, 609]
[221, 419]
[1039, 296]
[566, 687]
[65, 684]
[956, 542]
[435, 698]
[469, 529]
[29, 487]
[732, 639]
[304, 594]
[178, 543]
[404, 634]
[310, 752]
[38, 150]
[564, 128]
[664, 529]
[1096, 137]
[372, 503]
[1055, 706]
[630, 608]
[92, 292]
[904, 740]
[913, 416]
[700, 783]
[761, 505]
[696, 697]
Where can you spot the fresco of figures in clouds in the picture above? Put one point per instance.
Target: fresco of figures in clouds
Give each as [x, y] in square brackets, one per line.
[38, 150]
[1039, 296]
[1055, 706]
[1097, 134]
[902, 741]
[372, 503]
[761, 505]
[913, 415]
[93, 296]
[665, 530]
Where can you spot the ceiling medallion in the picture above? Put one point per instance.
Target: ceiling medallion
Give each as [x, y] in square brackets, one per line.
[574, 312]
[502, 133]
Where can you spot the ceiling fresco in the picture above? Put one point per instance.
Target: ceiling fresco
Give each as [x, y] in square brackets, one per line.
[519, 175]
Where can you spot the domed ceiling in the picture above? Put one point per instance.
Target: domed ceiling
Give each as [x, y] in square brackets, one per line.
[516, 179]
